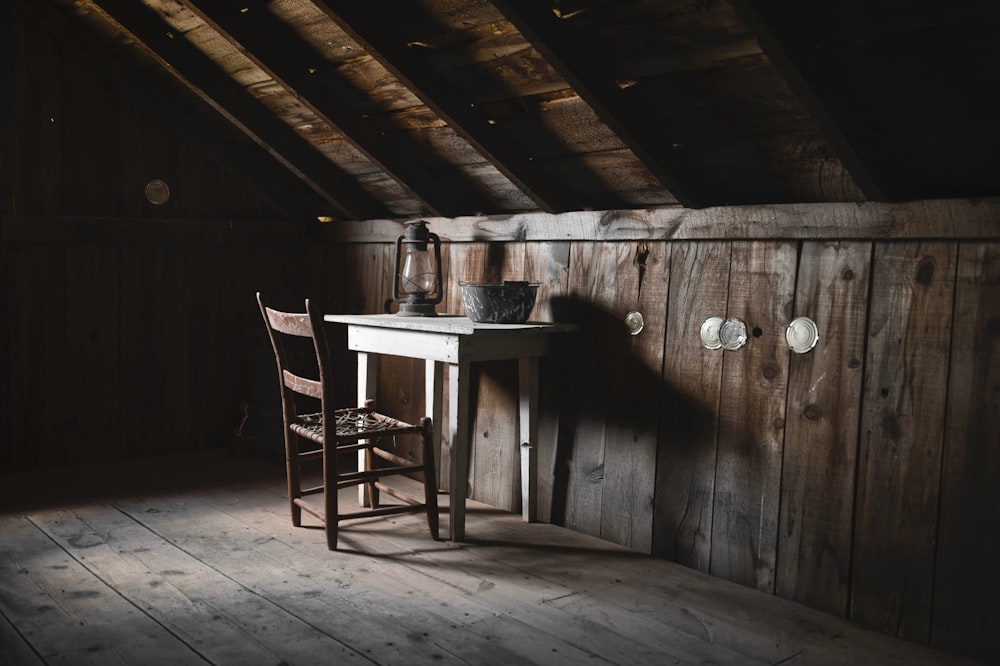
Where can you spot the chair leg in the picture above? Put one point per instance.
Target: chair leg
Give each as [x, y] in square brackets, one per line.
[430, 478]
[292, 474]
[370, 463]
[371, 492]
[330, 504]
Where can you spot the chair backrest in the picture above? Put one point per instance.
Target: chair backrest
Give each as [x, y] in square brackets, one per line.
[300, 325]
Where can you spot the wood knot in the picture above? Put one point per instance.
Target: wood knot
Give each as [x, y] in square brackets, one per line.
[813, 412]
[925, 271]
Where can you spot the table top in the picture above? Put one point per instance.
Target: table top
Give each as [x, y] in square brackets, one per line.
[447, 324]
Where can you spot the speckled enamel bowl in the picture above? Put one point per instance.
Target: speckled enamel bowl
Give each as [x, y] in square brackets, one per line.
[498, 302]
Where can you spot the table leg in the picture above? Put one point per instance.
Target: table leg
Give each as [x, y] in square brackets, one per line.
[527, 418]
[367, 383]
[459, 423]
[433, 398]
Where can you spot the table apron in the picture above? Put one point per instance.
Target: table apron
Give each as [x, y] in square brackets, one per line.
[445, 347]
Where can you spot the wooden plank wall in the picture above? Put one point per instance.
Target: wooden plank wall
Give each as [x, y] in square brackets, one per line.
[849, 478]
[858, 478]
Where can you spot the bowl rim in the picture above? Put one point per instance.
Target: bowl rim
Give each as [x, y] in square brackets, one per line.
[505, 283]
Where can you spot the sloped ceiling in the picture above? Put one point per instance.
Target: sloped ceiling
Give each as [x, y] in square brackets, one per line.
[354, 110]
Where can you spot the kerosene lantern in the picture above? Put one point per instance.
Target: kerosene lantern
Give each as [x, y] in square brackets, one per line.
[417, 286]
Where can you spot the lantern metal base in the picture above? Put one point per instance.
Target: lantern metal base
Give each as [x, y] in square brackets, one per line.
[416, 310]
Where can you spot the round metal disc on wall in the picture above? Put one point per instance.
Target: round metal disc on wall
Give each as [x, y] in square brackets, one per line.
[157, 192]
[733, 334]
[710, 333]
[801, 335]
[634, 322]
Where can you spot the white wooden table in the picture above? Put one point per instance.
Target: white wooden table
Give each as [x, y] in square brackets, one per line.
[458, 342]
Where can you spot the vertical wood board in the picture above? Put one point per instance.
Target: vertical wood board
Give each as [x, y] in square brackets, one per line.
[902, 428]
[692, 378]
[641, 284]
[579, 468]
[967, 580]
[548, 264]
[752, 416]
[821, 431]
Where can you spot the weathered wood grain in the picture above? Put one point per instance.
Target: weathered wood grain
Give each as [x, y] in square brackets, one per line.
[355, 600]
[16, 649]
[969, 219]
[640, 283]
[902, 430]
[579, 468]
[70, 614]
[937, 218]
[821, 429]
[185, 596]
[692, 381]
[752, 416]
[548, 264]
[966, 582]
[494, 462]
[200, 549]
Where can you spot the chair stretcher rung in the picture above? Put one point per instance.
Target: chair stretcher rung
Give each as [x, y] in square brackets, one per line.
[401, 496]
[372, 474]
[308, 508]
[391, 457]
[380, 511]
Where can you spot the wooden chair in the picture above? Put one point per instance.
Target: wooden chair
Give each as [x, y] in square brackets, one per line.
[356, 429]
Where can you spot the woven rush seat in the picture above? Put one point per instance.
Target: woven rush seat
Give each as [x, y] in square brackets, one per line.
[352, 423]
[357, 429]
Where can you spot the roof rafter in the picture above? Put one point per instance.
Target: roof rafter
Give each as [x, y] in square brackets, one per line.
[385, 42]
[633, 124]
[251, 115]
[280, 52]
[784, 44]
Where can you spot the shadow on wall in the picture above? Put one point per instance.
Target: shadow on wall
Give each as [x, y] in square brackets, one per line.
[611, 409]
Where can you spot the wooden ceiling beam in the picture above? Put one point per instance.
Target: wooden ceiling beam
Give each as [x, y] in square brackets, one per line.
[637, 128]
[787, 46]
[281, 52]
[206, 78]
[385, 42]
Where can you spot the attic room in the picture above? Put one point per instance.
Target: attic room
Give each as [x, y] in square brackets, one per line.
[656, 168]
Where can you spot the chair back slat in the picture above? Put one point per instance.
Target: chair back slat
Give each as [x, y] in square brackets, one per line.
[290, 323]
[302, 385]
[308, 324]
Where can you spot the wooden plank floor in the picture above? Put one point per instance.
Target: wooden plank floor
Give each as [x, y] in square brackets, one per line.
[193, 560]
